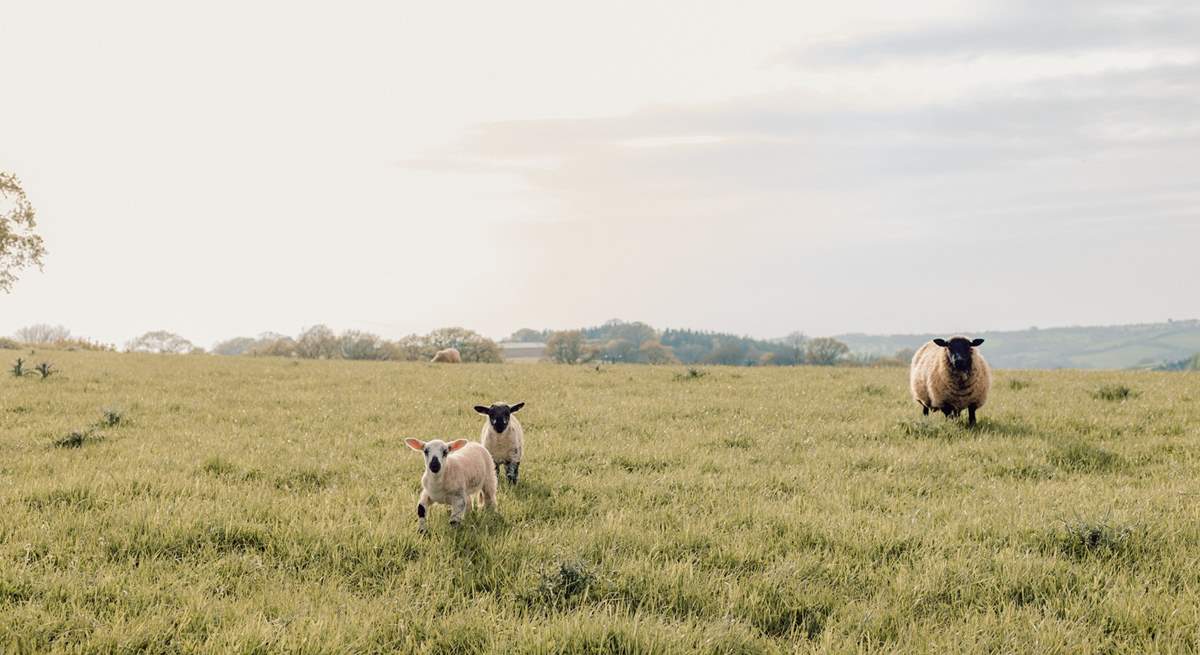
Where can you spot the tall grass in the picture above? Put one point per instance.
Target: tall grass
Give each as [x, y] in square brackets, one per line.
[240, 505]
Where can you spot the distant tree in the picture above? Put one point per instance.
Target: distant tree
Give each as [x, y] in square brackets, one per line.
[793, 349]
[565, 347]
[619, 350]
[825, 351]
[730, 352]
[905, 355]
[354, 345]
[636, 333]
[235, 346]
[473, 346]
[653, 352]
[42, 334]
[527, 335]
[271, 344]
[413, 348]
[319, 342]
[20, 246]
[160, 341]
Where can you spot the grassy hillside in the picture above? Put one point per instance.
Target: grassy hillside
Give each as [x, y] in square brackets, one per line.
[231, 504]
[1120, 346]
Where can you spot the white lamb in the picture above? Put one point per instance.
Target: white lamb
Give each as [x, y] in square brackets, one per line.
[454, 473]
[503, 437]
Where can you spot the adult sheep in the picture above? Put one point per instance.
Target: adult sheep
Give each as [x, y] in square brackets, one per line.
[447, 356]
[950, 375]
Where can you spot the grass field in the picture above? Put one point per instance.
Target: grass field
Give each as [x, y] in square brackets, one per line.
[163, 504]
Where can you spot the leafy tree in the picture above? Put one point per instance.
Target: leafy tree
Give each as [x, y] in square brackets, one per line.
[20, 246]
[319, 342]
[353, 345]
[619, 350]
[412, 348]
[565, 347]
[730, 352]
[473, 346]
[42, 334]
[825, 351]
[271, 344]
[653, 352]
[160, 341]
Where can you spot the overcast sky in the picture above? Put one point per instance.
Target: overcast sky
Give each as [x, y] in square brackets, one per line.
[870, 166]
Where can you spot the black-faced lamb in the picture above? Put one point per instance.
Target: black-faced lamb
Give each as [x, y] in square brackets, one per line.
[503, 437]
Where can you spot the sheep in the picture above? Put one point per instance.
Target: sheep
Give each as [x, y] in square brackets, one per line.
[447, 356]
[454, 473]
[503, 437]
[950, 375]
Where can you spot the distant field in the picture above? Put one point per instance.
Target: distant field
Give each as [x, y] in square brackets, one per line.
[242, 504]
[1099, 347]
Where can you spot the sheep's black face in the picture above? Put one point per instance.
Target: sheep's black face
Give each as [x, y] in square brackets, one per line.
[435, 455]
[960, 351]
[499, 415]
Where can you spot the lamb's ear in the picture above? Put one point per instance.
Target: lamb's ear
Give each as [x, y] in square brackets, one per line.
[941, 342]
[977, 343]
[457, 443]
[415, 444]
[483, 409]
[516, 407]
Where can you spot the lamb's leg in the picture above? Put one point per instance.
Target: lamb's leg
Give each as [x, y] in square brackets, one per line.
[971, 416]
[924, 409]
[489, 493]
[458, 509]
[947, 411]
[423, 505]
[511, 470]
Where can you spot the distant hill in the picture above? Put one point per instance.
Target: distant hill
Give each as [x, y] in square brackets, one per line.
[1118, 346]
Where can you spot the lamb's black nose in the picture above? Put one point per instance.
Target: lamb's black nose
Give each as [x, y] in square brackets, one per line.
[435, 465]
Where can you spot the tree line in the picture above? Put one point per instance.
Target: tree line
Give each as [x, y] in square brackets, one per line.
[635, 342]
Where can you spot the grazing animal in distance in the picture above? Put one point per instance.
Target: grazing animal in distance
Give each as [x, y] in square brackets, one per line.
[503, 437]
[455, 473]
[950, 375]
[447, 356]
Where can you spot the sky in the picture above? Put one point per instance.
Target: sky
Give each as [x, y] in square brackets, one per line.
[227, 168]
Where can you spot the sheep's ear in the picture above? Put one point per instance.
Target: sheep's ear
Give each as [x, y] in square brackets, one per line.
[415, 444]
[517, 406]
[977, 343]
[483, 409]
[457, 443]
[941, 342]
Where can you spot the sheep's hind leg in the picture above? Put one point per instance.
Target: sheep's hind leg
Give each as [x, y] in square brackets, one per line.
[511, 470]
[924, 409]
[489, 493]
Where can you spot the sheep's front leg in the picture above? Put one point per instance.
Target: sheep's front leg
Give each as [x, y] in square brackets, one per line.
[423, 505]
[971, 415]
[511, 470]
[458, 509]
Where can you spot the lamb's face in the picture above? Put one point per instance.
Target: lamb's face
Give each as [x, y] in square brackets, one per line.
[499, 414]
[960, 352]
[435, 452]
